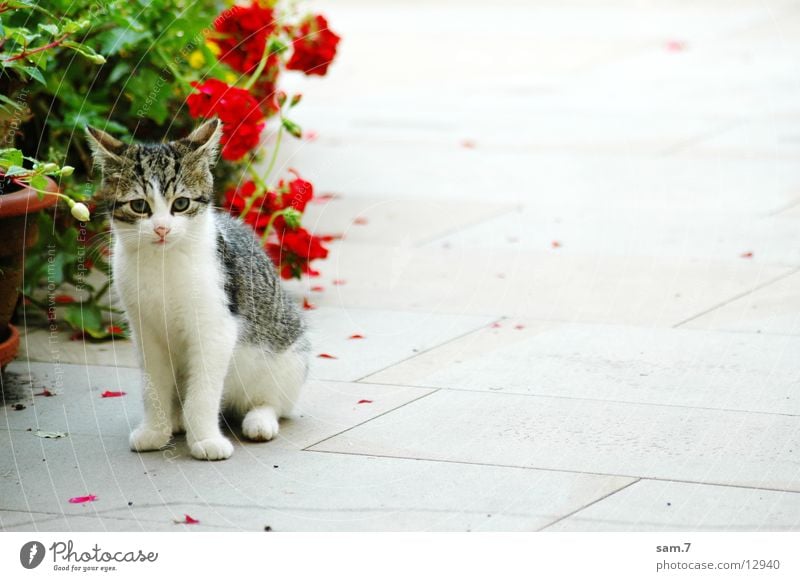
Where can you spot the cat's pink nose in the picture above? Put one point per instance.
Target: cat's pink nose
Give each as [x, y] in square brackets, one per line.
[162, 231]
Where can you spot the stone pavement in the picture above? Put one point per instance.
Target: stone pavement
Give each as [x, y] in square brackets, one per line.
[577, 275]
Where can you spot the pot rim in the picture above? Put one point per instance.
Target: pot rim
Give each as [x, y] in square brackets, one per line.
[27, 201]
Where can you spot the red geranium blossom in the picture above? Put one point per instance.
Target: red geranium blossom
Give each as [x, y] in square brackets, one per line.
[314, 46]
[294, 250]
[244, 31]
[242, 120]
[295, 193]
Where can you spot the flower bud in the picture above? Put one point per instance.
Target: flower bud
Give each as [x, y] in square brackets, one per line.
[67, 170]
[295, 99]
[49, 168]
[80, 212]
[98, 59]
[280, 97]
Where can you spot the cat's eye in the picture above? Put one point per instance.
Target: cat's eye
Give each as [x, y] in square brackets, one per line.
[140, 206]
[180, 205]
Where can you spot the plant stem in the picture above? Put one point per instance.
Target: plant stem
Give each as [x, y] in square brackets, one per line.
[260, 69]
[26, 53]
[272, 221]
[261, 182]
[274, 157]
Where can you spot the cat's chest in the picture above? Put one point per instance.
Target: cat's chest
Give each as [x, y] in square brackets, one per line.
[170, 289]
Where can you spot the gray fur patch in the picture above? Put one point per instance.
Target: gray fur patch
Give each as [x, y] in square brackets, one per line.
[255, 295]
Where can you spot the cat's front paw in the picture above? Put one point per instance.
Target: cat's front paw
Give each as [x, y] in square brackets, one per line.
[145, 439]
[217, 448]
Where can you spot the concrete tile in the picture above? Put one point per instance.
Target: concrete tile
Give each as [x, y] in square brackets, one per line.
[389, 336]
[774, 308]
[325, 492]
[104, 523]
[13, 518]
[542, 285]
[707, 446]
[40, 345]
[735, 371]
[324, 409]
[675, 234]
[399, 221]
[550, 181]
[777, 137]
[678, 506]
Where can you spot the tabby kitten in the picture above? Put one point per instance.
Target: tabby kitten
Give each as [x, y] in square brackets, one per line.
[213, 327]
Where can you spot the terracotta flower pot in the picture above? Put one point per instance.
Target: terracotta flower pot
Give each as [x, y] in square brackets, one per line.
[18, 231]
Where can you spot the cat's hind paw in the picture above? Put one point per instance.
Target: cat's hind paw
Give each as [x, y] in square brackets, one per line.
[218, 448]
[260, 424]
[146, 439]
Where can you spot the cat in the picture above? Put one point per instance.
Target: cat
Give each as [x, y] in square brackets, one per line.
[214, 329]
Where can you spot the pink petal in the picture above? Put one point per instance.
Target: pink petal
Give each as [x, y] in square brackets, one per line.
[45, 392]
[190, 521]
[365, 401]
[82, 499]
[339, 282]
[496, 325]
[468, 144]
[317, 288]
[361, 221]
[326, 356]
[519, 327]
[113, 394]
[307, 305]
[746, 255]
[555, 244]
[675, 45]
[356, 336]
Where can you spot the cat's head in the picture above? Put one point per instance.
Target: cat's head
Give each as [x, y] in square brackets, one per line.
[155, 193]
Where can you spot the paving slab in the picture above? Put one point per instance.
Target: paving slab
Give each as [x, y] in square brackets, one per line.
[387, 336]
[324, 408]
[775, 308]
[544, 285]
[657, 506]
[680, 367]
[324, 492]
[587, 436]
[674, 234]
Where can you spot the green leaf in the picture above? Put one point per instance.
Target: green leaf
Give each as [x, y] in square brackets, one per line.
[122, 69]
[15, 170]
[10, 157]
[49, 28]
[72, 26]
[84, 317]
[35, 74]
[39, 183]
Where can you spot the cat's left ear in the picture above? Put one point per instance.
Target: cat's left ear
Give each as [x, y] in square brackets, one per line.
[205, 140]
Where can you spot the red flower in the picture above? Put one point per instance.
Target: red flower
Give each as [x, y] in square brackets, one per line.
[242, 120]
[294, 251]
[314, 46]
[245, 30]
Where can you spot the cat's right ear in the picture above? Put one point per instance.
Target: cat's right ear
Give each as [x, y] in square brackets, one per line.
[105, 148]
